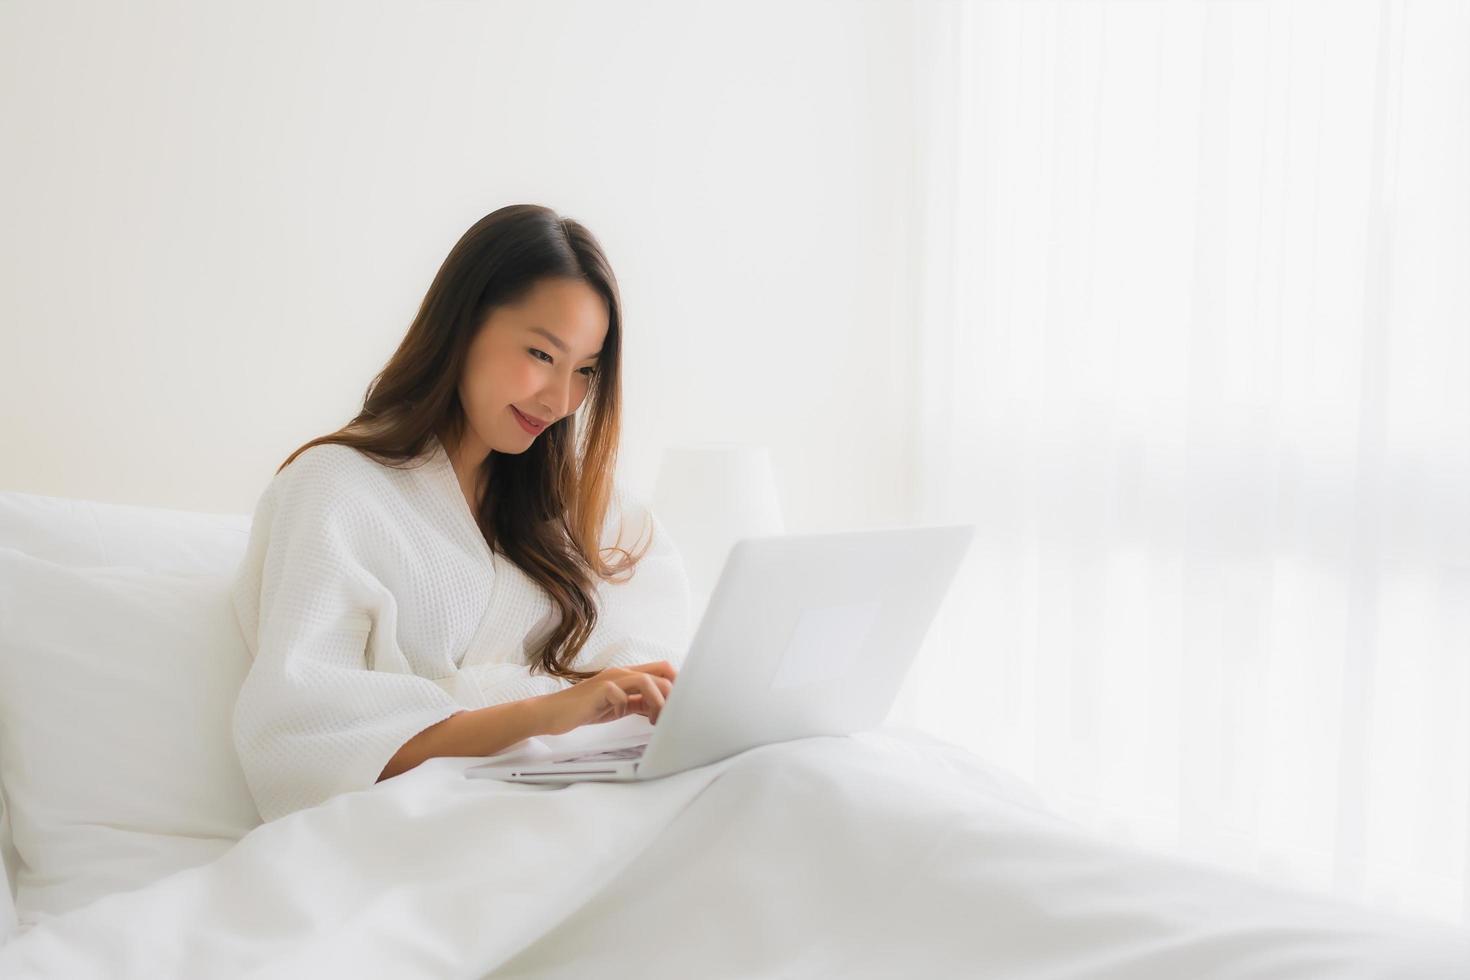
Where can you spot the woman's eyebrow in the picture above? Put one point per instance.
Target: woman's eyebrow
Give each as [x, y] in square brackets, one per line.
[557, 341]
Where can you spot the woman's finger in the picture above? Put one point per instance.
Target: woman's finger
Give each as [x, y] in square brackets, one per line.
[652, 696]
[659, 668]
[615, 699]
[644, 706]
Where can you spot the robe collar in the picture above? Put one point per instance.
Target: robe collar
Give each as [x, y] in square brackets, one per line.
[443, 469]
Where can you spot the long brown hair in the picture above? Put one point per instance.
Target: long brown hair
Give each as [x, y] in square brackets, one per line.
[544, 509]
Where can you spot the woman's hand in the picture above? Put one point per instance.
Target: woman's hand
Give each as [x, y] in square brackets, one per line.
[609, 695]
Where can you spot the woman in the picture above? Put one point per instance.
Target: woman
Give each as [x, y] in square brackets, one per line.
[424, 581]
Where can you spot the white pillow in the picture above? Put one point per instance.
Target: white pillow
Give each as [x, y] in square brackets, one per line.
[95, 533]
[116, 691]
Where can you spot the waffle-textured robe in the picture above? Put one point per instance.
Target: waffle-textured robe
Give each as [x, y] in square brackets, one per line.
[373, 608]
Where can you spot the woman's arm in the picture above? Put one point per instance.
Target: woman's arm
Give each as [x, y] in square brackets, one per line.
[478, 732]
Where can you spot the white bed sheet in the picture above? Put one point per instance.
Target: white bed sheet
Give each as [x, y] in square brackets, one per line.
[884, 854]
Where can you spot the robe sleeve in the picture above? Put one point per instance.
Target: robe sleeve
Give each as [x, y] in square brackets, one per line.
[499, 683]
[646, 617]
[312, 719]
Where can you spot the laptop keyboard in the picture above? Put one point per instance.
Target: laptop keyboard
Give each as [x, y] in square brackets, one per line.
[630, 752]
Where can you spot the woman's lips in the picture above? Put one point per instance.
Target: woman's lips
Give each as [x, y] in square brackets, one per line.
[526, 423]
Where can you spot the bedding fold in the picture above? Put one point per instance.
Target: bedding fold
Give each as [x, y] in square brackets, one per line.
[888, 853]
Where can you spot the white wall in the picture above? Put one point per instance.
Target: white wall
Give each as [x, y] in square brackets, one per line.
[219, 219]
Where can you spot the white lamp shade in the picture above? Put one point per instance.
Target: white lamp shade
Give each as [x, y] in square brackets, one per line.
[710, 495]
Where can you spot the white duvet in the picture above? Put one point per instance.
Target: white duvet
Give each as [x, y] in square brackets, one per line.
[885, 854]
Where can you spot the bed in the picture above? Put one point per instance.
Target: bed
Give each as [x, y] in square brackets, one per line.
[132, 848]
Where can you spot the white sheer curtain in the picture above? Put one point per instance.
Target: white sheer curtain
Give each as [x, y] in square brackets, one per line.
[1195, 334]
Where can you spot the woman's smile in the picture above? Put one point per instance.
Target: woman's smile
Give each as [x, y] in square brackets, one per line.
[526, 423]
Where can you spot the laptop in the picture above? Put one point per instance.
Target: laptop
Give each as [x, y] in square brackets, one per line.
[807, 634]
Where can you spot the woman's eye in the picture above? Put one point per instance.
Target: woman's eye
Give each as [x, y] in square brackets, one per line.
[588, 371]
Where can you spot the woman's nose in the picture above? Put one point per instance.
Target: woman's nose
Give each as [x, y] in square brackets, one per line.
[554, 400]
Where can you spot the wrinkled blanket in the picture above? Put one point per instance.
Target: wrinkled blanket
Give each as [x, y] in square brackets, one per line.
[884, 854]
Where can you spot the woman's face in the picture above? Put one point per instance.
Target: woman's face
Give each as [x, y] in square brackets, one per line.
[535, 358]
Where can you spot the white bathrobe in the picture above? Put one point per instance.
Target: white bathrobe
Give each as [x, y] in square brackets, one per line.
[373, 608]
